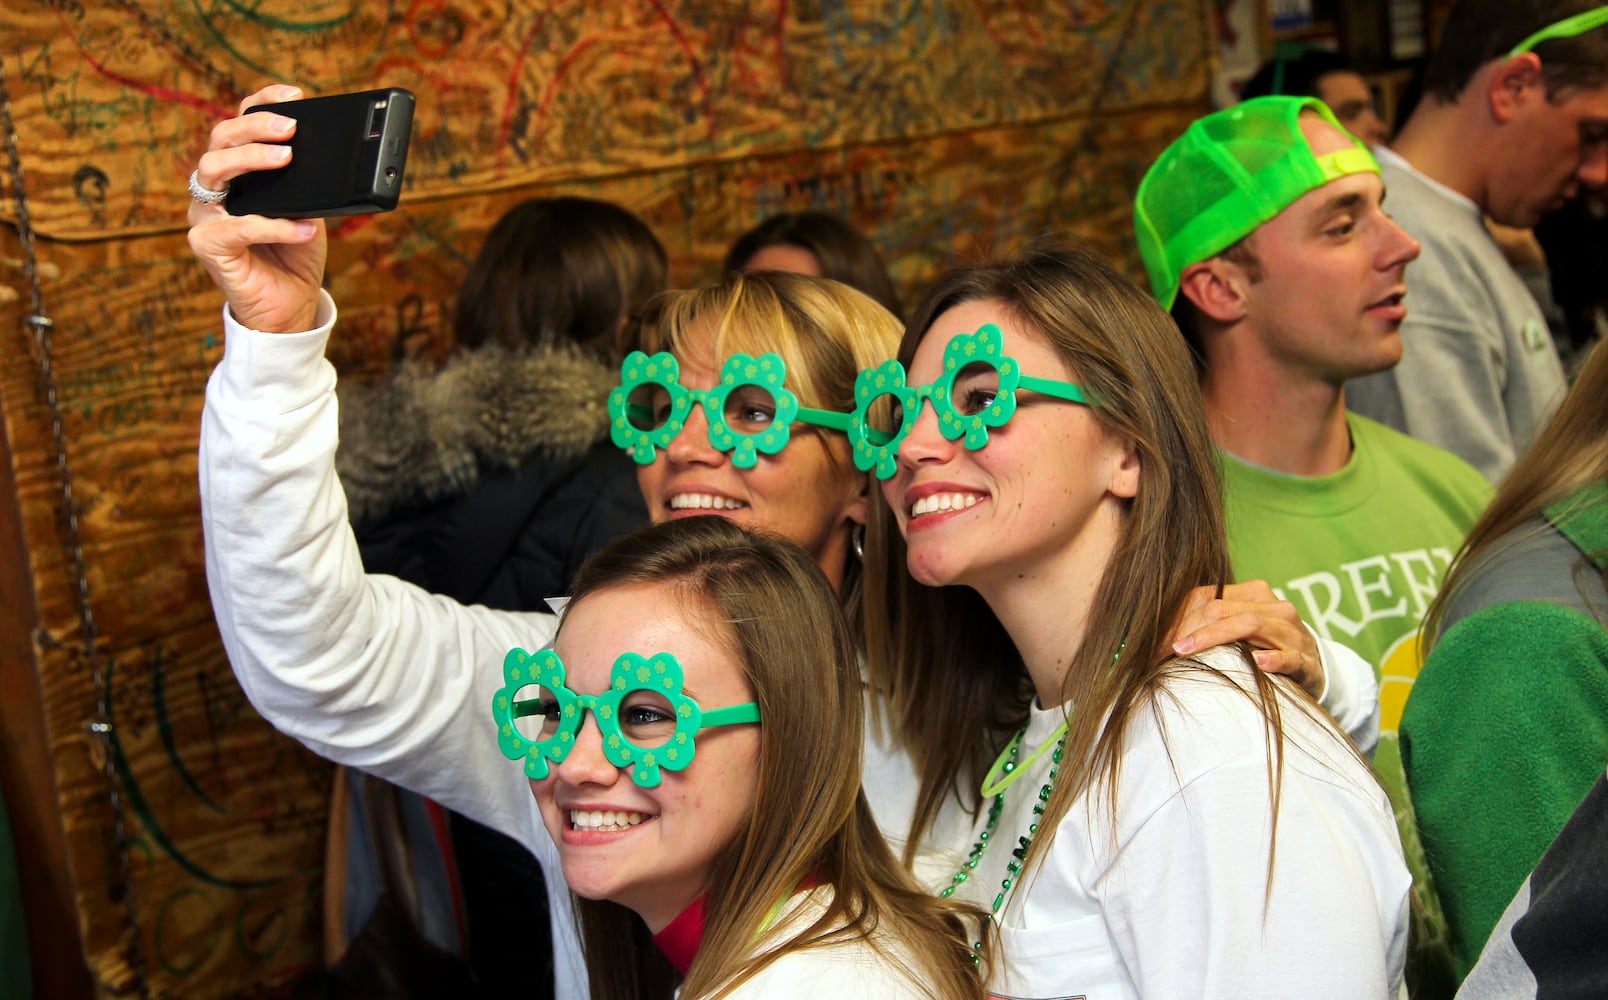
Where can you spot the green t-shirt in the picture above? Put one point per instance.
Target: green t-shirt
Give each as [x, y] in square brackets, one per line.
[1360, 553]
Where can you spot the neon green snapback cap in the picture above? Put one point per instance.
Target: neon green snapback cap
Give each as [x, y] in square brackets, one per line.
[1227, 174]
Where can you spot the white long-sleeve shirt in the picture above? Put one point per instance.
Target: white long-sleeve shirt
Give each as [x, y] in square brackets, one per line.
[367, 671]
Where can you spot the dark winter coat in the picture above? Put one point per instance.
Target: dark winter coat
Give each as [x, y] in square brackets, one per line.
[490, 480]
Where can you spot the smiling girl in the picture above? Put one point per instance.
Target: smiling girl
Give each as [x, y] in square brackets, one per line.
[1151, 825]
[753, 862]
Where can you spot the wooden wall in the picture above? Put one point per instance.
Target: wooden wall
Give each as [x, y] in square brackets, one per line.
[944, 128]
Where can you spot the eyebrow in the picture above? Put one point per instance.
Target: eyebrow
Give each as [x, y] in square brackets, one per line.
[1342, 203]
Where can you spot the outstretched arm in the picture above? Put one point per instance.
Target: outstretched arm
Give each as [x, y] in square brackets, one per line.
[364, 670]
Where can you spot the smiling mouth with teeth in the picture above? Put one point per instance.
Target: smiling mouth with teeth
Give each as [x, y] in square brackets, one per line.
[704, 501]
[940, 502]
[605, 820]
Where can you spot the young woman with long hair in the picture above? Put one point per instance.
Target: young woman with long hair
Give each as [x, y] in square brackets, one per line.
[1151, 825]
[756, 868]
[1507, 726]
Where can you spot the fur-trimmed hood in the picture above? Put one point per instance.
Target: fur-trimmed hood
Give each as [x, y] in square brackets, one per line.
[425, 435]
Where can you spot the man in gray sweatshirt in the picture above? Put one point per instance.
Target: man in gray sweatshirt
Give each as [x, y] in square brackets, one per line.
[1513, 119]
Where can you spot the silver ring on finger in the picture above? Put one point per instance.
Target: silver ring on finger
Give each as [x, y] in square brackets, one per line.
[205, 195]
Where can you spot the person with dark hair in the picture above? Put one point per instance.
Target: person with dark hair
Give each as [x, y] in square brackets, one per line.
[1330, 78]
[1513, 119]
[1507, 727]
[818, 244]
[489, 481]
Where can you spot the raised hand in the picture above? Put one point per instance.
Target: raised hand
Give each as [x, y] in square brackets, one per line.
[269, 270]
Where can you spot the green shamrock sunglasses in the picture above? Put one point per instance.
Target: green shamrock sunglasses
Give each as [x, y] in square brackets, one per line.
[750, 411]
[648, 724]
[976, 391]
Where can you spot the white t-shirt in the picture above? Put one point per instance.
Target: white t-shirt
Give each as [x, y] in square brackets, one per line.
[846, 970]
[1173, 901]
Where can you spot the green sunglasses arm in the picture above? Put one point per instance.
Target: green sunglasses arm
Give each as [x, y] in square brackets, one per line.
[1566, 28]
[528, 707]
[731, 715]
[1068, 391]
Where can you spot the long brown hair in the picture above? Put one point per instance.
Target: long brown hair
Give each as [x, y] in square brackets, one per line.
[809, 818]
[958, 687]
[1569, 454]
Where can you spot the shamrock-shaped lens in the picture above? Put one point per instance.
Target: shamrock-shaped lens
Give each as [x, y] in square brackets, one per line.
[976, 391]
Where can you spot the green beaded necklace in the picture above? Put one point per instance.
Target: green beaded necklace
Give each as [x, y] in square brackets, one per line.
[1000, 777]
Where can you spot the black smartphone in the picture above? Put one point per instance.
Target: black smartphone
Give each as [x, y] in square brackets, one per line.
[347, 158]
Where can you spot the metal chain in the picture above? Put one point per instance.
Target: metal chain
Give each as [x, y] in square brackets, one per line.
[121, 890]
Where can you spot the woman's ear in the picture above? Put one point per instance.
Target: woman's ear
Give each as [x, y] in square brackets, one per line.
[858, 509]
[1124, 481]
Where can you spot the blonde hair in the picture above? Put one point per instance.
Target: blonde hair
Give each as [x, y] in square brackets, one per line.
[959, 689]
[809, 818]
[1569, 454]
[824, 330]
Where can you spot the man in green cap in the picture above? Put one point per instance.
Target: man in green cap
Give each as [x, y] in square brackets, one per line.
[1262, 229]
[1513, 120]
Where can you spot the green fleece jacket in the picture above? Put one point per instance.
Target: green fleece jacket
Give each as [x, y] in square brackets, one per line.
[1507, 726]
